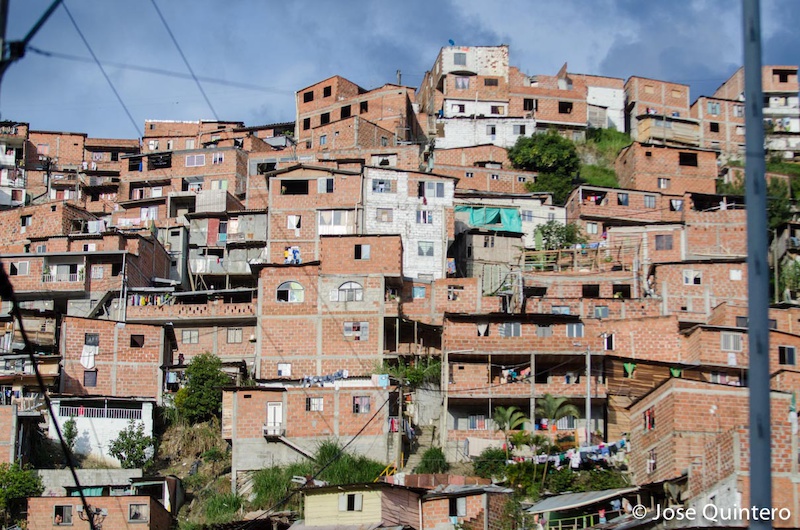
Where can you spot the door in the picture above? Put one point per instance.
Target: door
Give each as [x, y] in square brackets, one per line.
[274, 425]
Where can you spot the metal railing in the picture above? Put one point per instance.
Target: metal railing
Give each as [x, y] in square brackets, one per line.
[66, 411]
[51, 278]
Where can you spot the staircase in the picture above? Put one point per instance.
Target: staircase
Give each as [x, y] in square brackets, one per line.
[425, 439]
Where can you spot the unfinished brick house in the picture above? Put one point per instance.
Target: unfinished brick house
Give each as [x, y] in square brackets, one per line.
[13, 171]
[659, 112]
[669, 170]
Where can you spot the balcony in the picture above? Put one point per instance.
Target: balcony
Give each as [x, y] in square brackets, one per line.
[8, 160]
[65, 411]
[179, 311]
[274, 429]
[58, 278]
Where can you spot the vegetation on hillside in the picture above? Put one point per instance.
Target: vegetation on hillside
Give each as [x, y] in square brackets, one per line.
[16, 482]
[422, 370]
[201, 398]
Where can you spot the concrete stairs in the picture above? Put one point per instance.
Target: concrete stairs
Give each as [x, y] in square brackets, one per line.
[426, 438]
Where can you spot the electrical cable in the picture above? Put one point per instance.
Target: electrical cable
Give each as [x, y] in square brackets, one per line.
[139, 132]
[7, 293]
[185, 60]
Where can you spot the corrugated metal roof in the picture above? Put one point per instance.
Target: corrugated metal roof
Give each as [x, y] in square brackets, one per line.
[569, 501]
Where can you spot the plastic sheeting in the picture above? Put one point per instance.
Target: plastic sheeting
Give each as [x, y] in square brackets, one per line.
[482, 216]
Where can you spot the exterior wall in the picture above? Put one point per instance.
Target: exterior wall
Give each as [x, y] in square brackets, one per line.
[57, 480]
[471, 155]
[95, 434]
[41, 512]
[458, 132]
[559, 101]
[354, 132]
[608, 92]
[651, 168]
[436, 513]
[488, 178]
[321, 509]
[534, 212]
[8, 433]
[405, 202]
[122, 370]
[337, 255]
[660, 98]
[727, 117]
[694, 301]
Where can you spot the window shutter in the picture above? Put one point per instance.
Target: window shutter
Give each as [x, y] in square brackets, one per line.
[501, 330]
[364, 330]
[334, 295]
[461, 506]
[359, 502]
[342, 502]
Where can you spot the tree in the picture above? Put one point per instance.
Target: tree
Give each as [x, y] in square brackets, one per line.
[70, 433]
[17, 482]
[508, 419]
[554, 408]
[559, 185]
[490, 463]
[201, 398]
[779, 206]
[545, 153]
[556, 235]
[131, 447]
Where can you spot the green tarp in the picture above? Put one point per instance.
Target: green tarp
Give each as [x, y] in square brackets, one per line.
[481, 216]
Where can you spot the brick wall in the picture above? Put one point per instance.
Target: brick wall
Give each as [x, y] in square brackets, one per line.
[666, 169]
[41, 512]
[677, 284]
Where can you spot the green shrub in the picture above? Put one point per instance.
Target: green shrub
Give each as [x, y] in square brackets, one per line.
[201, 398]
[433, 461]
[490, 463]
[132, 448]
[223, 508]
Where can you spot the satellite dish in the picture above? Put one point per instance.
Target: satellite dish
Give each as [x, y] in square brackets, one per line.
[452, 42]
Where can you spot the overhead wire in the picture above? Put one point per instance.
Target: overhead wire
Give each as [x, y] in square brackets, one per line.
[139, 132]
[185, 60]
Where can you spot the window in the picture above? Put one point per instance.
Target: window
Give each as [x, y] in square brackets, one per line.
[284, 369]
[294, 187]
[293, 221]
[649, 417]
[664, 242]
[591, 290]
[460, 59]
[649, 89]
[469, 174]
[488, 241]
[713, 126]
[521, 179]
[509, 329]
[719, 378]
[491, 81]
[350, 502]
[676, 93]
[497, 109]
[454, 292]
[458, 107]
[190, 336]
[139, 513]
[195, 160]
[189, 143]
[326, 92]
[565, 107]
[786, 355]
[591, 228]
[676, 205]
[649, 201]
[575, 331]
[308, 96]
[738, 111]
[544, 331]
[363, 107]
[560, 310]
[462, 83]
[306, 124]
[362, 252]
[325, 118]
[735, 275]
[687, 159]
[730, 341]
[651, 461]
[663, 183]
[291, 292]
[234, 335]
[519, 129]
[691, 277]
[495, 176]
[424, 217]
[741, 322]
[325, 185]
[622, 199]
[526, 215]
[713, 108]
[137, 341]
[356, 330]
[97, 272]
[621, 291]
[218, 158]
[20, 268]
[90, 378]
[425, 248]
[601, 311]
[348, 292]
[360, 404]
[62, 515]
[430, 189]
[529, 104]
[346, 112]
[418, 291]
[384, 215]
[384, 141]
[608, 341]
[382, 186]
[458, 507]
[314, 404]
[323, 139]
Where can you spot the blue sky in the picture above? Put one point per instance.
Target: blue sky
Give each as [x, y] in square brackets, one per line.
[263, 51]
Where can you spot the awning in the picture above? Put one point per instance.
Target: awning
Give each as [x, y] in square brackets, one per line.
[570, 501]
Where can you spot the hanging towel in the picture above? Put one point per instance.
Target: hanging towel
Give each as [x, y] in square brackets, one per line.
[87, 356]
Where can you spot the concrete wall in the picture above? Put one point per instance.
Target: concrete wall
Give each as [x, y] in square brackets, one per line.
[57, 480]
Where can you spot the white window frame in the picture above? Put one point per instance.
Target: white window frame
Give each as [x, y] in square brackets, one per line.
[195, 160]
[426, 249]
[425, 217]
[284, 369]
[218, 158]
[730, 341]
[575, 330]
[692, 277]
[315, 404]
[663, 183]
[591, 228]
[235, 335]
[190, 336]
[322, 185]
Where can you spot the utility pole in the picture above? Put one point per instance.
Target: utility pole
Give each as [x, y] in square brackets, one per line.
[3, 24]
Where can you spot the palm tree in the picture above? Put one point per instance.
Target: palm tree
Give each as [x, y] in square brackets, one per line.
[554, 408]
[508, 419]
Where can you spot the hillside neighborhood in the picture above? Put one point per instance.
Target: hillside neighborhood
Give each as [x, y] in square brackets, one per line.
[497, 300]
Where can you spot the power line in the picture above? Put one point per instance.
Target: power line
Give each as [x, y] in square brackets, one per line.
[185, 61]
[139, 132]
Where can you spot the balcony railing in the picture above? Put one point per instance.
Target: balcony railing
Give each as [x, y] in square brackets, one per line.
[52, 278]
[66, 411]
[274, 429]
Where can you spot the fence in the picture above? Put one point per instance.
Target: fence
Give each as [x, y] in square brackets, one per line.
[97, 412]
